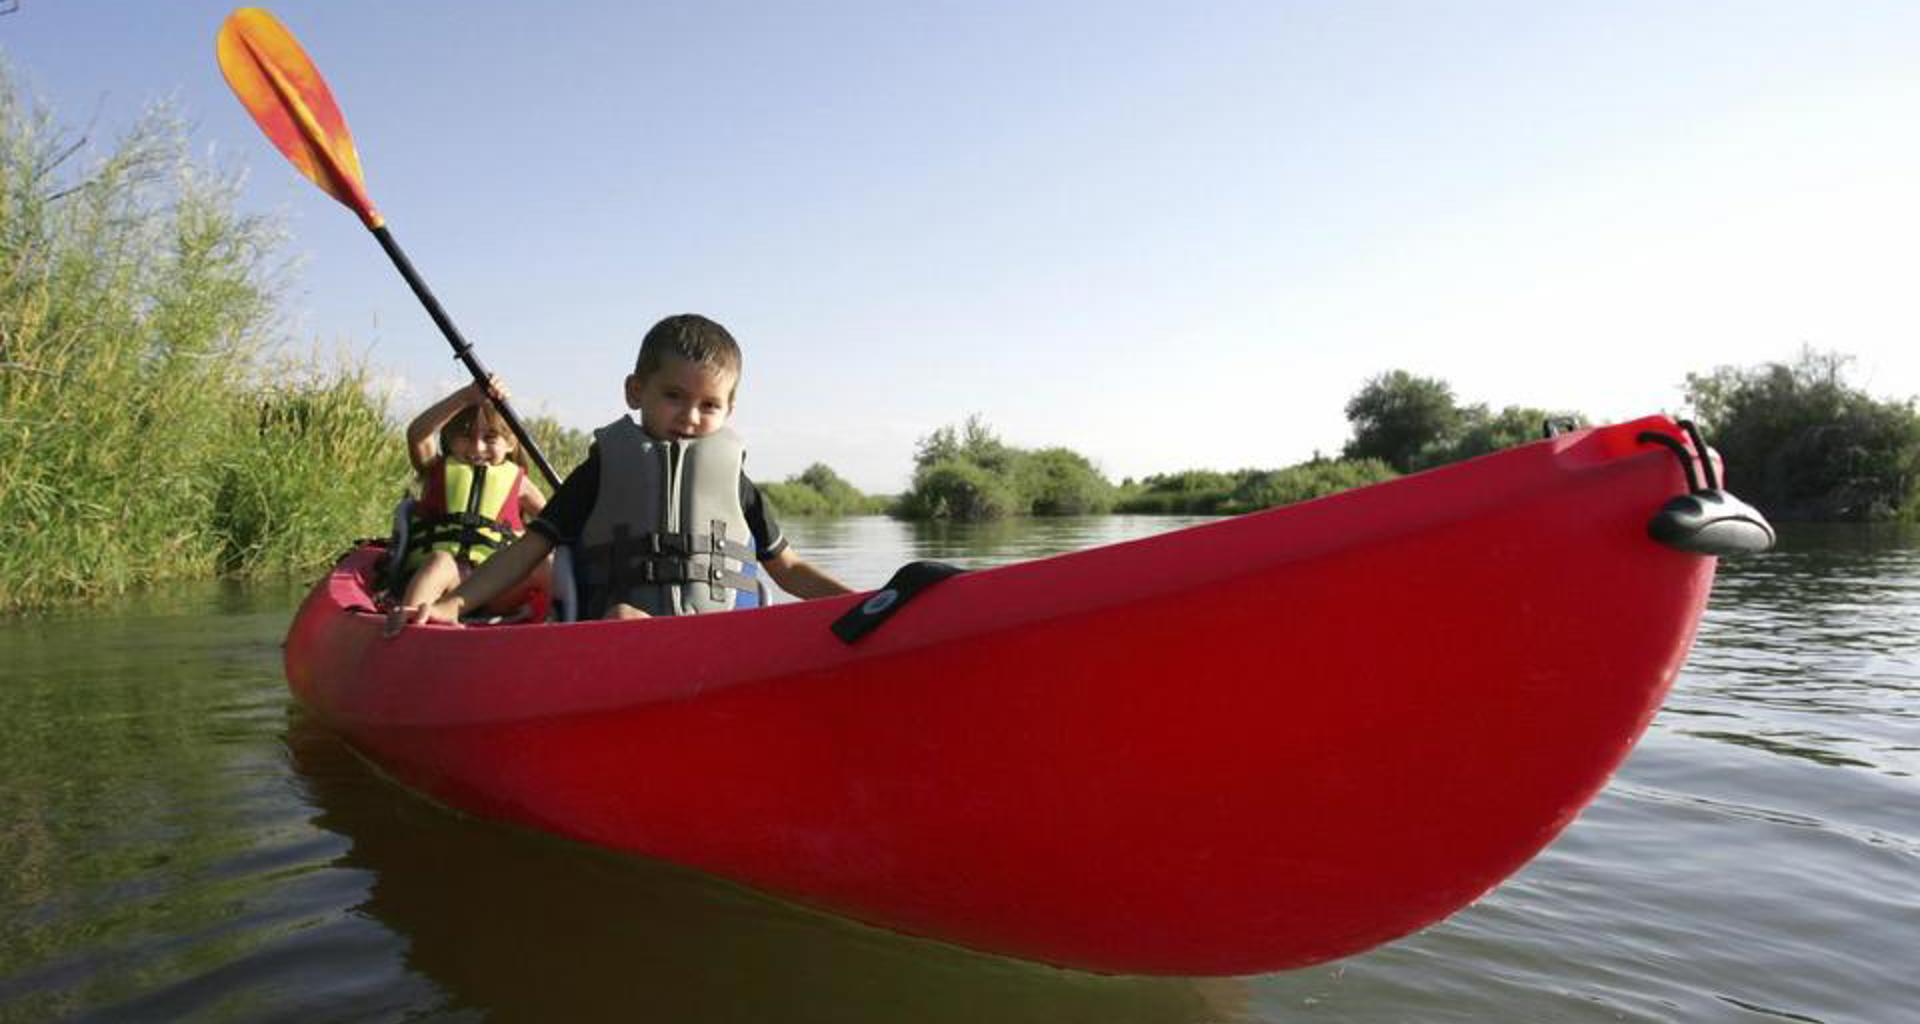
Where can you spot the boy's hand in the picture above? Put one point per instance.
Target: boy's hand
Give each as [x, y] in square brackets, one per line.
[396, 621]
[446, 611]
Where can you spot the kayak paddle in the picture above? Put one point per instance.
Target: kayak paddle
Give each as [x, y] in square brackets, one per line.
[280, 87]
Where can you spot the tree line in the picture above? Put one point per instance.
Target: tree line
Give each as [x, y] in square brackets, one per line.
[1802, 443]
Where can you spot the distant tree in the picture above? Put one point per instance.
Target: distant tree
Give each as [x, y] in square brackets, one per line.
[969, 473]
[1063, 482]
[791, 498]
[1480, 433]
[1803, 444]
[819, 491]
[1207, 492]
[1304, 482]
[1188, 492]
[840, 495]
[1396, 416]
[961, 490]
[1190, 481]
[973, 441]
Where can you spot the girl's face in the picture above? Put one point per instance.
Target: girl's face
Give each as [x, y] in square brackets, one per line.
[484, 445]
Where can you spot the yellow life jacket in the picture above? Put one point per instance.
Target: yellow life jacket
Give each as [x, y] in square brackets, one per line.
[475, 520]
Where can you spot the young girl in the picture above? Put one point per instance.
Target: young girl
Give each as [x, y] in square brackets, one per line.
[474, 496]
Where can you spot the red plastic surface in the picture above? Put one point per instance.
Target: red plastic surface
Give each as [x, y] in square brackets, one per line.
[1250, 745]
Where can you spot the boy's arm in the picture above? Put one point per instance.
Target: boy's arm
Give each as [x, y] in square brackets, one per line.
[490, 579]
[800, 578]
[794, 574]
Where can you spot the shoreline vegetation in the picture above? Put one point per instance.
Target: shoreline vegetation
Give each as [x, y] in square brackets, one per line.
[156, 425]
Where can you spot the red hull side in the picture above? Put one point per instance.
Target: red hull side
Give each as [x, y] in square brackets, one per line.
[1250, 745]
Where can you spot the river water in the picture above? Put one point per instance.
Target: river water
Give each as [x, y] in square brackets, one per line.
[178, 842]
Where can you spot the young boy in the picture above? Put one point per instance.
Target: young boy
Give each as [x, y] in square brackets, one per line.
[679, 464]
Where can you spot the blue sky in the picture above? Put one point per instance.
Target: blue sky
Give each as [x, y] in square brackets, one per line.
[1165, 235]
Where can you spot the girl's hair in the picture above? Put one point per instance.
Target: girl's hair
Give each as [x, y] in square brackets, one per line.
[482, 418]
[691, 337]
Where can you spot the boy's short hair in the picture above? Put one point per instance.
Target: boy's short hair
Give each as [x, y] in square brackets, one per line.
[692, 337]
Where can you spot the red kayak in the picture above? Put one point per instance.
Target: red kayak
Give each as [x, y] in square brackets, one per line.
[1249, 745]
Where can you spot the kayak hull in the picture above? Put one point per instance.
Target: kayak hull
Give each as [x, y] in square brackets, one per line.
[1250, 745]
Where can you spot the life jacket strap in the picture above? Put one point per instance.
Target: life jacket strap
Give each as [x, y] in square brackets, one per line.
[464, 531]
[662, 558]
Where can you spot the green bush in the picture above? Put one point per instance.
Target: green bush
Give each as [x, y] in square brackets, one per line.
[1189, 492]
[1207, 492]
[968, 473]
[1803, 444]
[972, 442]
[959, 490]
[147, 429]
[1479, 432]
[1304, 482]
[1413, 423]
[819, 491]
[1062, 482]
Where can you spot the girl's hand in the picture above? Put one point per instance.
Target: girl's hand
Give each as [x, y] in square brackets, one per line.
[494, 388]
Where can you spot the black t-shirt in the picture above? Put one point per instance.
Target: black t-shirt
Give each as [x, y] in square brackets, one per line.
[567, 511]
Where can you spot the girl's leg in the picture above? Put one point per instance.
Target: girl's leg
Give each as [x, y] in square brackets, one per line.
[438, 575]
[435, 578]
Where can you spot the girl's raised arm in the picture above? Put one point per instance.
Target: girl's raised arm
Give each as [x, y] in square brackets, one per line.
[424, 432]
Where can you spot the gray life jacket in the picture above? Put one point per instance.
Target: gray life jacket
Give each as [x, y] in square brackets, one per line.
[667, 534]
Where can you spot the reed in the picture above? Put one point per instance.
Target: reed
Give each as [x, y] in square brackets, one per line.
[153, 424]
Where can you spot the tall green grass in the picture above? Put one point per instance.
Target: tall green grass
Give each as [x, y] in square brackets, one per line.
[152, 424]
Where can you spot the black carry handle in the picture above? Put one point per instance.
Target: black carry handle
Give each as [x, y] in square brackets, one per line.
[907, 582]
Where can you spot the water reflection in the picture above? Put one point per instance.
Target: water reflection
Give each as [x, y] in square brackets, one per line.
[1816, 748]
[524, 926]
[145, 830]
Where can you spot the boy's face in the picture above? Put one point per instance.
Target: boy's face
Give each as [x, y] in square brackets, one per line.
[681, 400]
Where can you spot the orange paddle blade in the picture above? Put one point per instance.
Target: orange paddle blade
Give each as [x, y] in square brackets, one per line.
[289, 100]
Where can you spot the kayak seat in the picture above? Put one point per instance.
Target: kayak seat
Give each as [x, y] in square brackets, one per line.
[392, 573]
[563, 601]
[758, 597]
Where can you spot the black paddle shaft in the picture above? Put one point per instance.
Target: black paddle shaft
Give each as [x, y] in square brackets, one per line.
[461, 350]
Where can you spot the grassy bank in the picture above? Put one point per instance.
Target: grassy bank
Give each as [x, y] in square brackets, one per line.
[152, 425]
